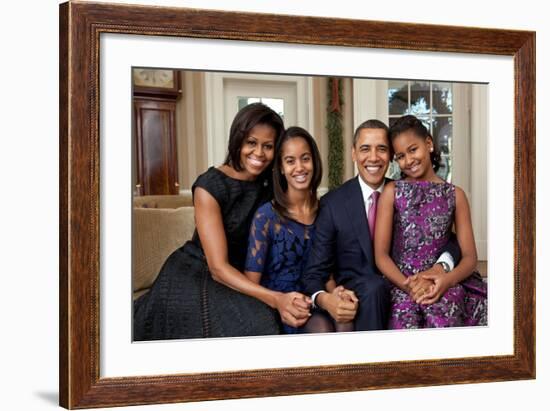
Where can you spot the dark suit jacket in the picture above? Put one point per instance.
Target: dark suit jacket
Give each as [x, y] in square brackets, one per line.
[342, 244]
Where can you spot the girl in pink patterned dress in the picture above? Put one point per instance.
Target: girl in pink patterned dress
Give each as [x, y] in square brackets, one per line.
[418, 212]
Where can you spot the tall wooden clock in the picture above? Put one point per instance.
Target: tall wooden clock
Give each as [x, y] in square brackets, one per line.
[155, 95]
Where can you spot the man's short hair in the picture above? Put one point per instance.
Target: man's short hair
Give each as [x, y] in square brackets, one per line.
[373, 123]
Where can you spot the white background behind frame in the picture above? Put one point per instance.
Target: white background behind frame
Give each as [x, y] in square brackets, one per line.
[121, 358]
[29, 353]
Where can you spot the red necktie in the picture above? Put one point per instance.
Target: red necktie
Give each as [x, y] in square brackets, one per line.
[372, 212]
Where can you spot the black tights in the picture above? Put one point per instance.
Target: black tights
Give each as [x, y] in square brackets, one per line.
[322, 322]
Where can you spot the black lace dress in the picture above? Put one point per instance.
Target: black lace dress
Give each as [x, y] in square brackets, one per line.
[184, 301]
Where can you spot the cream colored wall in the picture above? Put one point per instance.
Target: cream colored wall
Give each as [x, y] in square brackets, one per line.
[191, 129]
[347, 127]
[319, 131]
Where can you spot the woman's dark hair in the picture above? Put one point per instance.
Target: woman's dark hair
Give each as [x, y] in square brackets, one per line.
[411, 123]
[280, 185]
[246, 119]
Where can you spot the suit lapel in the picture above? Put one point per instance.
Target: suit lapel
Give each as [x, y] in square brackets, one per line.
[355, 208]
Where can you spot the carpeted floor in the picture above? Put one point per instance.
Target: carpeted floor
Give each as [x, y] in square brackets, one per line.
[482, 268]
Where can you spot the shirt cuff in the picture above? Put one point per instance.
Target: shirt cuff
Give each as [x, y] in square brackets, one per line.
[314, 296]
[446, 258]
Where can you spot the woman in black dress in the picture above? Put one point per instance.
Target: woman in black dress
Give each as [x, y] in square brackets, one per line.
[200, 290]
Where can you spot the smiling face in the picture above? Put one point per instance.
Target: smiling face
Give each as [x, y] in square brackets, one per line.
[257, 150]
[297, 164]
[412, 153]
[371, 154]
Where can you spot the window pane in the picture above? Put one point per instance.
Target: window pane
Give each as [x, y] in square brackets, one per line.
[442, 98]
[426, 122]
[443, 136]
[276, 104]
[420, 99]
[245, 101]
[394, 172]
[398, 96]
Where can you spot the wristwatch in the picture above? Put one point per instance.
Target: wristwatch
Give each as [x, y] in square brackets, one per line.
[445, 266]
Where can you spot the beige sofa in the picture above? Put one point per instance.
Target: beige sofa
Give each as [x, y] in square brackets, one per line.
[160, 225]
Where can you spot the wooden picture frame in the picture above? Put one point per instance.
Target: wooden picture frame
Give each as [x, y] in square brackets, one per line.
[80, 27]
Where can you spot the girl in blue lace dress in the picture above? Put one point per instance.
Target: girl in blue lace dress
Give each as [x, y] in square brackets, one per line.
[414, 221]
[282, 230]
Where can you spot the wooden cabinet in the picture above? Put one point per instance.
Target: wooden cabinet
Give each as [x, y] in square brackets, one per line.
[156, 149]
[155, 142]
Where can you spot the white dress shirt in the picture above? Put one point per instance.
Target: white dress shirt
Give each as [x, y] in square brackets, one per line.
[367, 190]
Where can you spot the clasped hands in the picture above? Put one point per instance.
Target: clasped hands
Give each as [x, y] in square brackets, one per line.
[427, 287]
[340, 303]
[295, 307]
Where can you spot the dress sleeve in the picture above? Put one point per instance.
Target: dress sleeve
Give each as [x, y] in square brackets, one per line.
[214, 184]
[258, 241]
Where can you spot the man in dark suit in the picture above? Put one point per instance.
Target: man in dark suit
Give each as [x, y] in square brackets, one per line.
[343, 244]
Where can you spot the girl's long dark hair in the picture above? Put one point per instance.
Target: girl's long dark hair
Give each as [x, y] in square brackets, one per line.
[410, 122]
[280, 185]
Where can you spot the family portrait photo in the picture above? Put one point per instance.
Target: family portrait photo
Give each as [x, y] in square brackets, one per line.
[266, 205]
[270, 204]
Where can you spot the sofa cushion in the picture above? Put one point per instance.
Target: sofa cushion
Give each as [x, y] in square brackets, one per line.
[157, 232]
[164, 201]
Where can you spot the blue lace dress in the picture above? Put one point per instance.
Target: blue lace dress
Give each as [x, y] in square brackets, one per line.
[278, 248]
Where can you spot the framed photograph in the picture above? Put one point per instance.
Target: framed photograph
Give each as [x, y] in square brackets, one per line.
[104, 48]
